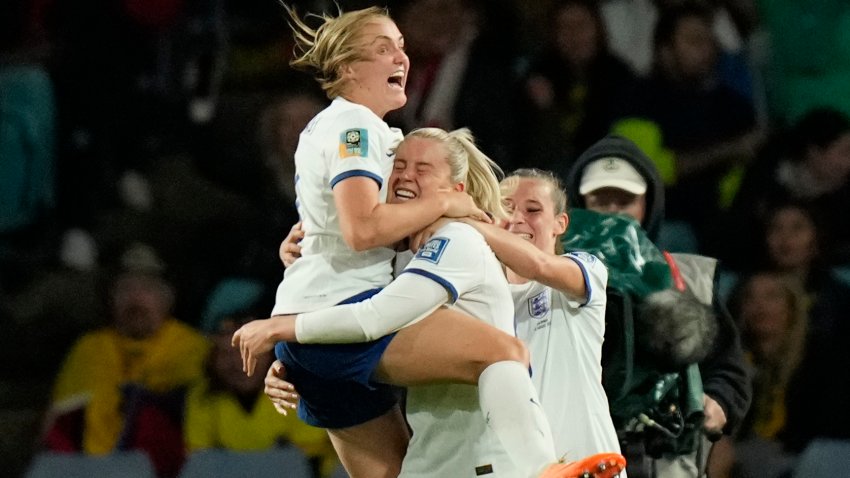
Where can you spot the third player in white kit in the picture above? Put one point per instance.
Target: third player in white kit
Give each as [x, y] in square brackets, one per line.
[564, 336]
[560, 305]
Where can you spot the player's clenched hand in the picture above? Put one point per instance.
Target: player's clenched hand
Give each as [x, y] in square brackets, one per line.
[280, 392]
[290, 250]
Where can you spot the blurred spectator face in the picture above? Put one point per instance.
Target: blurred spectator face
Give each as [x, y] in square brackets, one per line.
[766, 307]
[692, 54]
[617, 201]
[141, 303]
[576, 34]
[791, 238]
[227, 363]
[832, 161]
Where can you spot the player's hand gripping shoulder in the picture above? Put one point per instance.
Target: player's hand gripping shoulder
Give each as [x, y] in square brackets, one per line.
[427, 233]
[280, 392]
[258, 337]
[421, 237]
[290, 249]
[461, 204]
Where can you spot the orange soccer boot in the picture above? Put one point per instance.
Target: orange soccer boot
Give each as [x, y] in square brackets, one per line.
[601, 465]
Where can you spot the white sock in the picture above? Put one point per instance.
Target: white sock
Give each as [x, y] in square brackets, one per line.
[513, 411]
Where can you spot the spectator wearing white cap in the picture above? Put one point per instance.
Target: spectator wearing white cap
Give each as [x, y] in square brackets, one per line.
[615, 176]
[613, 185]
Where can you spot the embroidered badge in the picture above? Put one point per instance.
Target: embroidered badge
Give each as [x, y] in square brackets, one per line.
[354, 142]
[433, 250]
[538, 306]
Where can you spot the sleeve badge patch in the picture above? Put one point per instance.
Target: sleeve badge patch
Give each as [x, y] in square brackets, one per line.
[583, 256]
[433, 250]
[354, 143]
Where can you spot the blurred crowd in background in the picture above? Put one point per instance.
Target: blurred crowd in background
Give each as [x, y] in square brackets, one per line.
[146, 182]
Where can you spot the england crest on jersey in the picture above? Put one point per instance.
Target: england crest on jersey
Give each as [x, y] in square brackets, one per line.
[538, 306]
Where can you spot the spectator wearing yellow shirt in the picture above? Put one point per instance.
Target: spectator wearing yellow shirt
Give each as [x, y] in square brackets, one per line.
[145, 357]
[228, 410]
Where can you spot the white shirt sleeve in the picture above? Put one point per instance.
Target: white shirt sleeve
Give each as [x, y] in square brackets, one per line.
[595, 277]
[359, 149]
[453, 257]
[403, 302]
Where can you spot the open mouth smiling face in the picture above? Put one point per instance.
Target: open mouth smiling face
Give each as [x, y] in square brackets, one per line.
[379, 77]
[532, 214]
[397, 80]
[420, 169]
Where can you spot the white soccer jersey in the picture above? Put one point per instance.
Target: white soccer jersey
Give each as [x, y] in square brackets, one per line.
[450, 434]
[564, 338]
[342, 141]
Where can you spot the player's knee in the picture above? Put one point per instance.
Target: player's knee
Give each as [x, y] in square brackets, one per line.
[502, 349]
[510, 349]
[519, 352]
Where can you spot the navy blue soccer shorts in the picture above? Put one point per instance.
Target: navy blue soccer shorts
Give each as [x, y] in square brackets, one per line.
[335, 380]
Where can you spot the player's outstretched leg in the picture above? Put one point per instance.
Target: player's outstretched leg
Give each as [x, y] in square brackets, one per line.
[601, 465]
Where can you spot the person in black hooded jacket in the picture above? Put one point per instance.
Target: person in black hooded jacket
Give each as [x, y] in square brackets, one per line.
[615, 176]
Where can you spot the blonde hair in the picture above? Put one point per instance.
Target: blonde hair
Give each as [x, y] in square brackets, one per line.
[559, 196]
[469, 165]
[327, 49]
[773, 370]
[793, 344]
